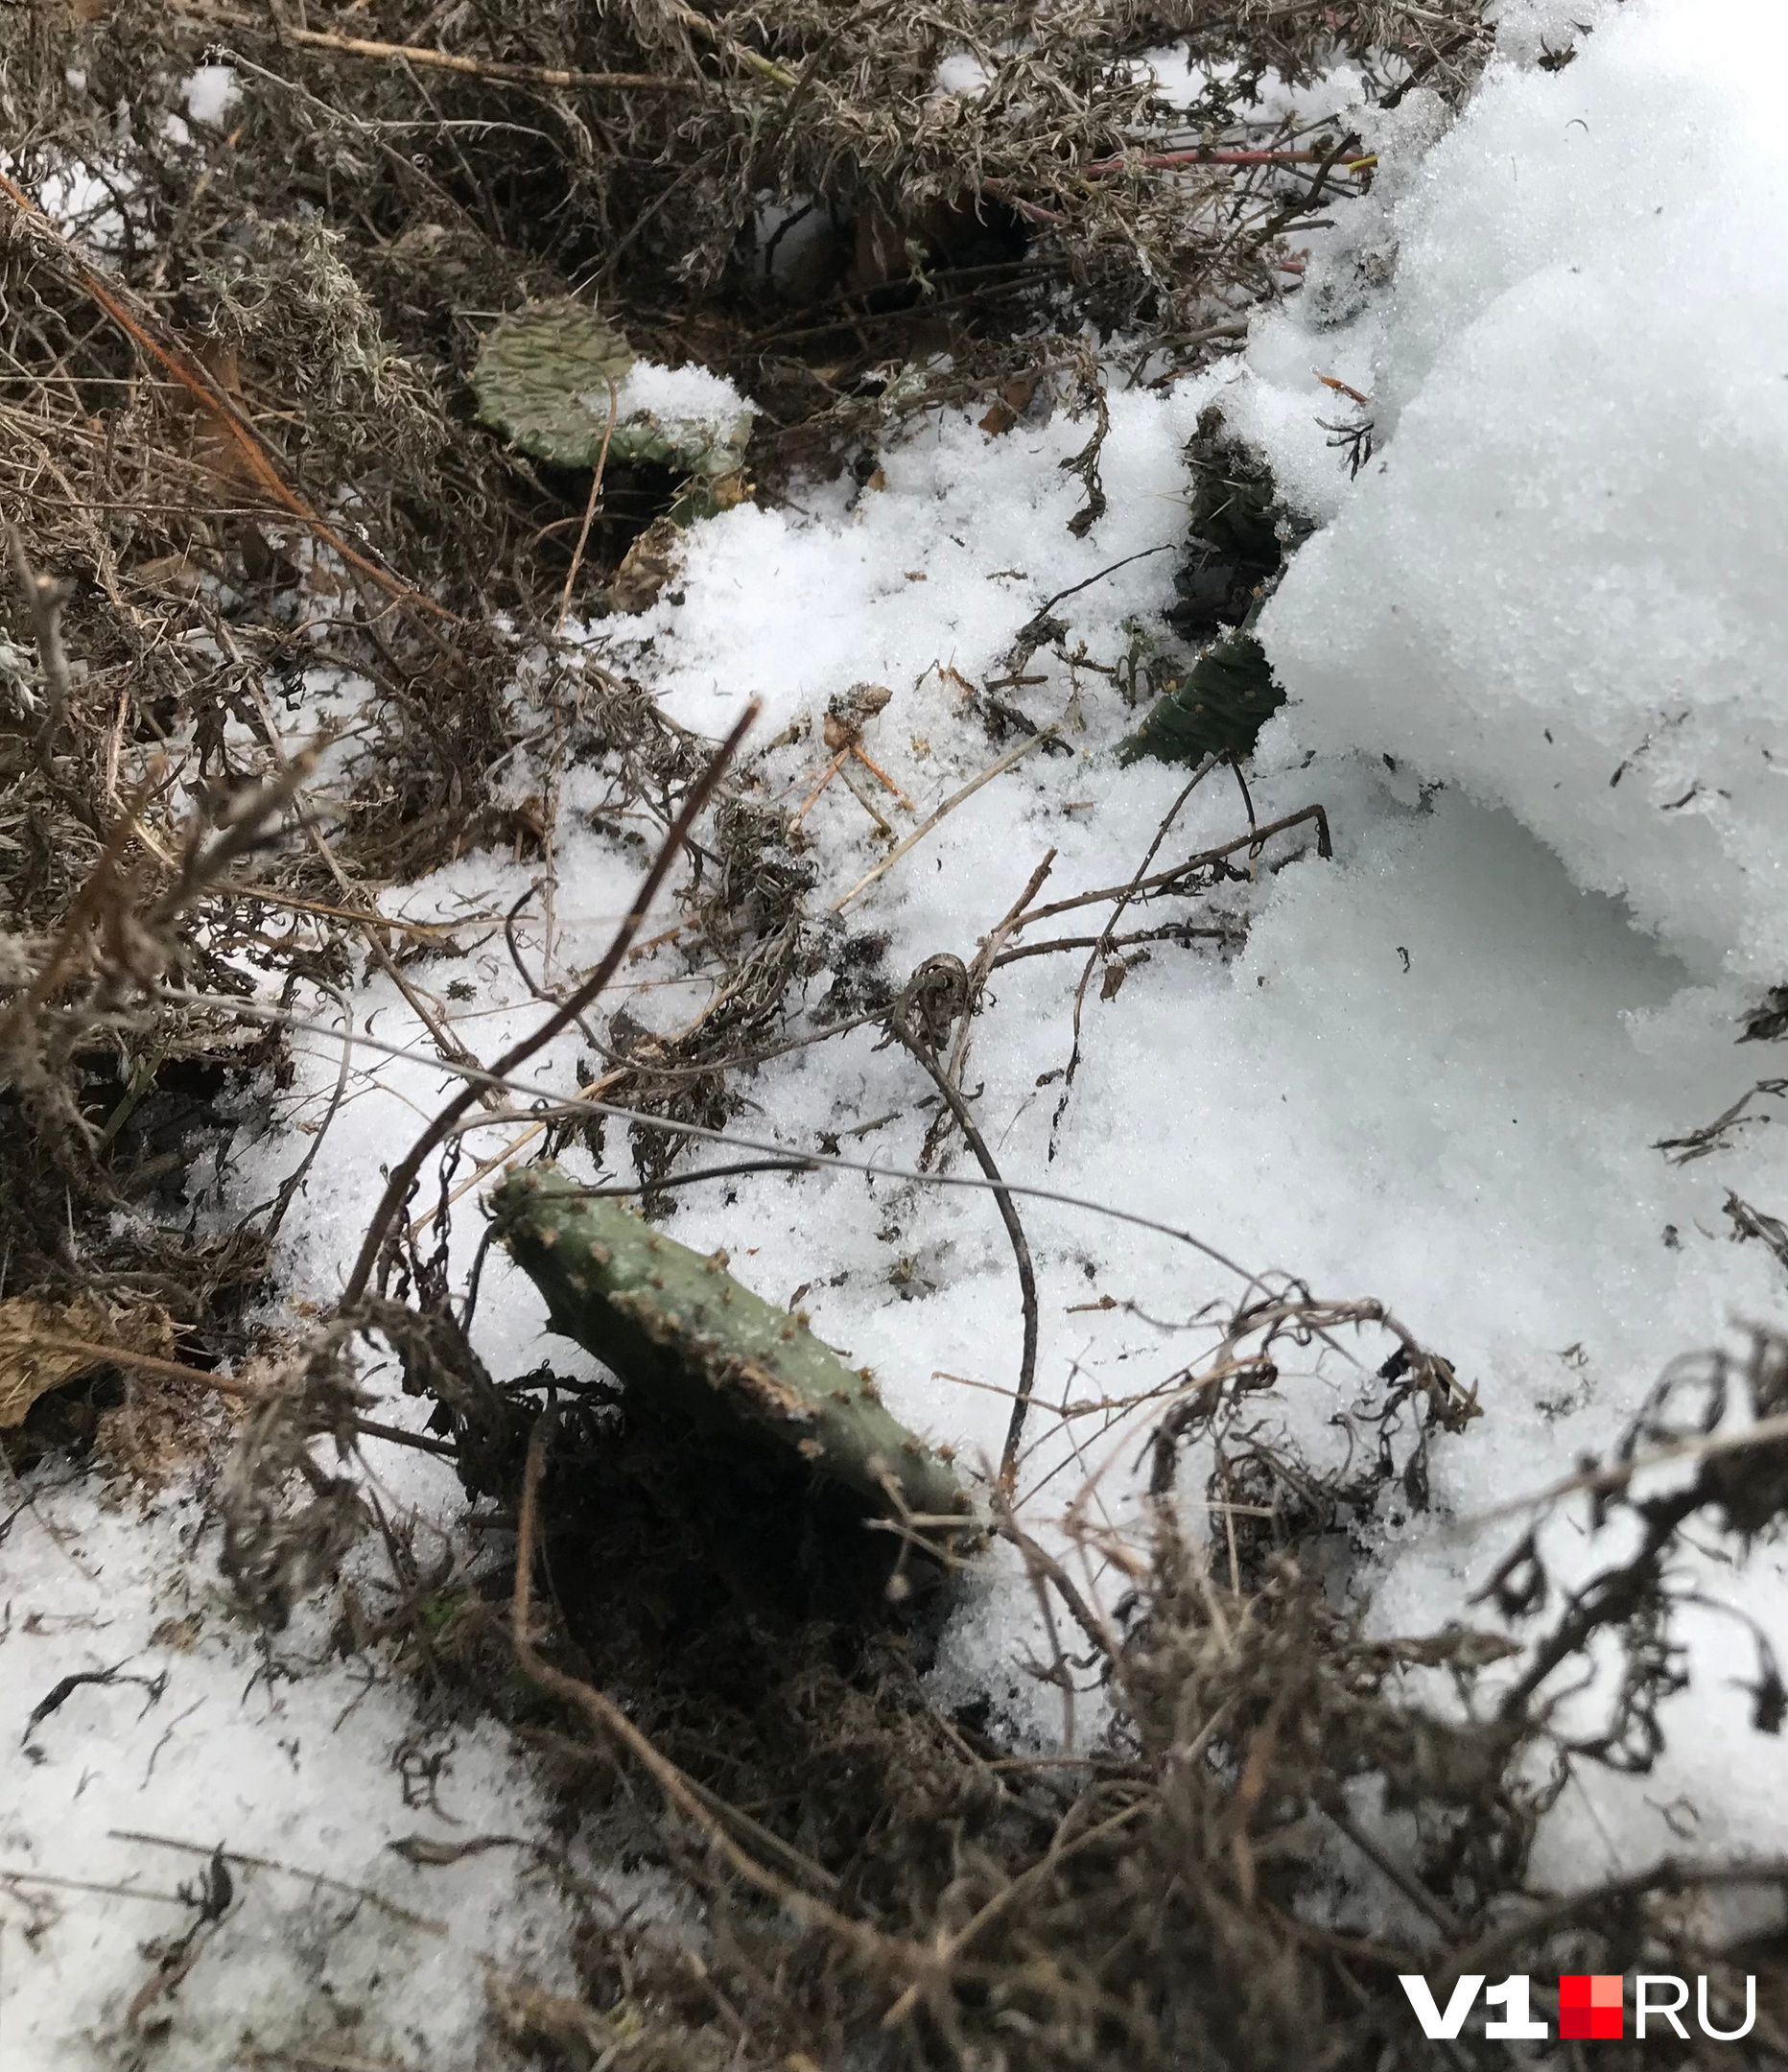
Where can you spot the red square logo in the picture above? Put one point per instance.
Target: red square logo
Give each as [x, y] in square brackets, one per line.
[1591, 2005]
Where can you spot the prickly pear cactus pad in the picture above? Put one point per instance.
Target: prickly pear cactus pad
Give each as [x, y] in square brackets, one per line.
[1217, 708]
[677, 1328]
[684, 418]
[542, 379]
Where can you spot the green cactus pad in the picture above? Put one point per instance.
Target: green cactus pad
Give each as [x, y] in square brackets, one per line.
[703, 448]
[542, 379]
[1217, 708]
[676, 1327]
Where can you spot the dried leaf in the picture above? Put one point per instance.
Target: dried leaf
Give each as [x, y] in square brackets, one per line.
[45, 1345]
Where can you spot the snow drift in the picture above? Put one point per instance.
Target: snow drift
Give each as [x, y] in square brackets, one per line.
[1559, 584]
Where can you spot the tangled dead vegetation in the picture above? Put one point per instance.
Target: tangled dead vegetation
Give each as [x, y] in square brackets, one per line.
[1279, 1809]
[251, 515]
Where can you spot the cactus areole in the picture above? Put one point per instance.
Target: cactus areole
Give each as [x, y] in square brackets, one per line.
[676, 1328]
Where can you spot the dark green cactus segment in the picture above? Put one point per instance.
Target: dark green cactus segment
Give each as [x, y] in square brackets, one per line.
[1217, 708]
[1241, 531]
[679, 1329]
[1235, 507]
[542, 380]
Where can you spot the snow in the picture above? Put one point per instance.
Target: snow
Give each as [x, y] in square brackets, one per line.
[685, 395]
[939, 569]
[1560, 586]
[962, 74]
[210, 93]
[1435, 1071]
[282, 1751]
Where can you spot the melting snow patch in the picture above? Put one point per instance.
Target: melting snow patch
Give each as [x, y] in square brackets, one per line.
[327, 1946]
[210, 93]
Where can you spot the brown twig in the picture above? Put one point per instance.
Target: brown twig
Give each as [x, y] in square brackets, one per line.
[223, 1385]
[1671, 1875]
[44, 598]
[1411, 1887]
[402, 1914]
[589, 506]
[902, 1022]
[1178, 931]
[1163, 880]
[416, 53]
[987, 957]
[949, 805]
[710, 32]
[1616, 1475]
[1124, 897]
[1045, 1564]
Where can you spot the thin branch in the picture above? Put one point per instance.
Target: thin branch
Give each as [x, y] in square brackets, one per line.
[44, 597]
[700, 1132]
[986, 957]
[1044, 1563]
[1669, 1876]
[1411, 1887]
[221, 1385]
[589, 508]
[1102, 946]
[901, 1023]
[1167, 878]
[404, 1175]
[417, 53]
[319, 1879]
[949, 805]
[1176, 931]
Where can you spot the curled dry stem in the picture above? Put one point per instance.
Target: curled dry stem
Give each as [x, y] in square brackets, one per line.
[907, 1026]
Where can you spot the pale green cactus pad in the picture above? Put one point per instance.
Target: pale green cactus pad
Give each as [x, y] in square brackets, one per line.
[706, 447]
[542, 380]
[676, 1325]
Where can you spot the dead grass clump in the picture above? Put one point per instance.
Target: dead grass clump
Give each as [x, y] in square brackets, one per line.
[1280, 1811]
